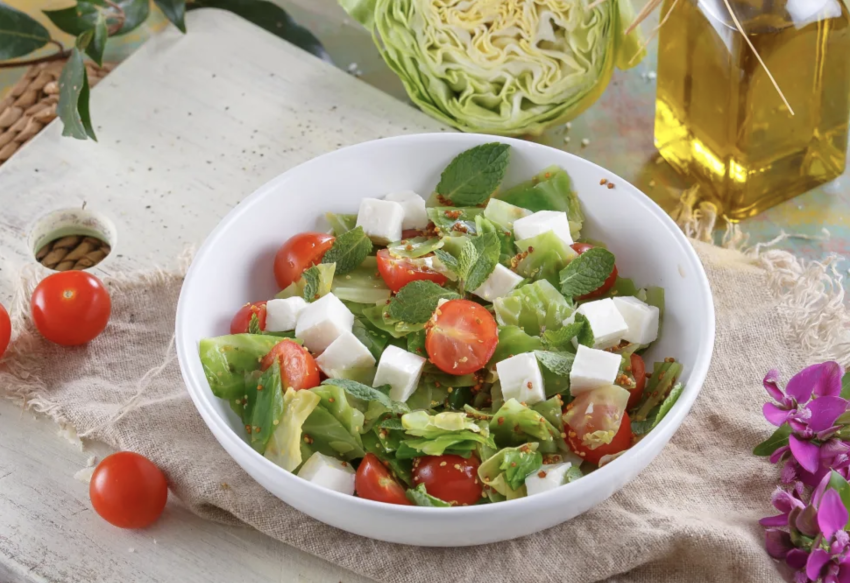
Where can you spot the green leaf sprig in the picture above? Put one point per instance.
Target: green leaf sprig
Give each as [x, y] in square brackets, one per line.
[474, 175]
[587, 272]
[415, 303]
[348, 251]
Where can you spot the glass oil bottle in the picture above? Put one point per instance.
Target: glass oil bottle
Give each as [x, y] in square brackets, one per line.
[720, 120]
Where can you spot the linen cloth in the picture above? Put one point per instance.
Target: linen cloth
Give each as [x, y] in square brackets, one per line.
[690, 516]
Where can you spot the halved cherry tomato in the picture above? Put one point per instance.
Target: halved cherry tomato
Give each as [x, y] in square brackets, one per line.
[128, 490]
[397, 272]
[607, 285]
[639, 372]
[297, 254]
[71, 307]
[461, 337]
[621, 442]
[240, 322]
[374, 482]
[298, 368]
[5, 330]
[451, 478]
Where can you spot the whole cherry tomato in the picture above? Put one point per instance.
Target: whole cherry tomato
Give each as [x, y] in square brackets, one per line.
[71, 307]
[128, 490]
[299, 253]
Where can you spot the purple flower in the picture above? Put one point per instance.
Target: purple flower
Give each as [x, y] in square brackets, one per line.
[832, 565]
[821, 380]
[784, 502]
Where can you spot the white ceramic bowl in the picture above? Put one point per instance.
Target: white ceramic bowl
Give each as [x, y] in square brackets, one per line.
[234, 266]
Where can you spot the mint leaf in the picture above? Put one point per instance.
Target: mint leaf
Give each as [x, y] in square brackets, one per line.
[561, 339]
[478, 259]
[73, 107]
[518, 465]
[587, 272]
[311, 283]
[448, 260]
[585, 335]
[416, 302]
[348, 251]
[367, 393]
[558, 363]
[393, 423]
[774, 442]
[668, 403]
[20, 34]
[474, 175]
[420, 497]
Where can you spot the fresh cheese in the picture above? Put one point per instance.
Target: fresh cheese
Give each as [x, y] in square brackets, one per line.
[541, 222]
[343, 354]
[605, 320]
[322, 322]
[641, 319]
[415, 215]
[381, 220]
[282, 315]
[521, 379]
[593, 369]
[328, 472]
[400, 370]
[548, 477]
[500, 283]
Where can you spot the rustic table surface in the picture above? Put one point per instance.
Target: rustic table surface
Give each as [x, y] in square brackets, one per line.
[188, 126]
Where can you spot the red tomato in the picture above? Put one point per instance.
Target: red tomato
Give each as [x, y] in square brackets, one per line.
[128, 490]
[297, 254]
[298, 368]
[609, 283]
[5, 330]
[639, 372]
[374, 482]
[71, 307]
[621, 442]
[240, 322]
[397, 272]
[461, 337]
[451, 478]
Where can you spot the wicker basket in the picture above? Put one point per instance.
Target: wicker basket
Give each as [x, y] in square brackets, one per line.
[31, 104]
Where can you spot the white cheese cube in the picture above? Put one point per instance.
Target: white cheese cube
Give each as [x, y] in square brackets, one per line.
[541, 222]
[593, 369]
[328, 472]
[640, 317]
[548, 477]
[381, 220]
[322, 322]
[500, 283]
[400, 370]
[415, 215]
[344, 353]
[521, 379]
[282, 315]
[605, 320]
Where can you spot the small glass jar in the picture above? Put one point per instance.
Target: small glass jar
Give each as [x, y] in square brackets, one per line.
[719, 118]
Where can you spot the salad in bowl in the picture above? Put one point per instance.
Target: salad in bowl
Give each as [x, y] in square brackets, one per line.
[452, 348]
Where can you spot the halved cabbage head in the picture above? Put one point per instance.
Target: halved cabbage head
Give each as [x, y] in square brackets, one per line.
[502, 66]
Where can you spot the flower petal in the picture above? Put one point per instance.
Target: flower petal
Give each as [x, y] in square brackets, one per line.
[777, 543]
[823, 379]
[776, 456]
[832, 515]
[844, 570]
[770, 385]
[829, 384]
[825, 410]
[778, 520]
[816, 562]
[785, 501]
[774, 414]
[806, 453]
[807, 521]
[797, 558]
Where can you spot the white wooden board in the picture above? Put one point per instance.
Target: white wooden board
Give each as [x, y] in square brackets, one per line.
[187, 127]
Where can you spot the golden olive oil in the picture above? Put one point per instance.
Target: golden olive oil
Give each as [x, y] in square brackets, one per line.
[719, 119]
